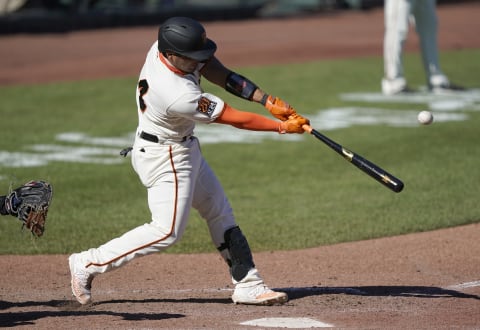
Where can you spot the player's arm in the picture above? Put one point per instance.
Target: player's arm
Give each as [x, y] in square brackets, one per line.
[255, 122]
[3, 208]
[240, 86]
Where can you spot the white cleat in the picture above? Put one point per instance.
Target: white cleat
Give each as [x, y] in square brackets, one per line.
[259, 294]
[397, 86]
[81, 281]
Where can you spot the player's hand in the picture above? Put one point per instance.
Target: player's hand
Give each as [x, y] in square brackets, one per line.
[293, 124]
[279, 108]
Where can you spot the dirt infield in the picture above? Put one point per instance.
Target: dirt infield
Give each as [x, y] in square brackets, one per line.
[419, 281]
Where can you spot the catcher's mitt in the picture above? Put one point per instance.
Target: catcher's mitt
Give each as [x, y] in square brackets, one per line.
[30, 204]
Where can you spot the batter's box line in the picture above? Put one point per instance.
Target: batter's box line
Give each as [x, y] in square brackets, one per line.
[465, 285]
[301, 292]
[378, 291]
[322, 290]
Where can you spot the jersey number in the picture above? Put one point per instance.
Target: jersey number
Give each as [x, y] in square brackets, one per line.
[142, 90]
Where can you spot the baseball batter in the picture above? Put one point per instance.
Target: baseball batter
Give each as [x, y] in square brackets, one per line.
[167, 158]
[398, 14]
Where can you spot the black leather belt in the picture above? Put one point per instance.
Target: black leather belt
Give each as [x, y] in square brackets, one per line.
[154, 138]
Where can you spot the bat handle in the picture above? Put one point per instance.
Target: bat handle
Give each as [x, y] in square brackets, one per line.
[307, 128]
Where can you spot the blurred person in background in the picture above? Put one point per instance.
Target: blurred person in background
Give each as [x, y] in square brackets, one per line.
[422, 14]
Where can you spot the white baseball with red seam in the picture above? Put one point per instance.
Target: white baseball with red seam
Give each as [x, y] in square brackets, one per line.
[425, 117]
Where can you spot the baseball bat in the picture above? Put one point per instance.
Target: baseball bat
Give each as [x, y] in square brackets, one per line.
[375, 171]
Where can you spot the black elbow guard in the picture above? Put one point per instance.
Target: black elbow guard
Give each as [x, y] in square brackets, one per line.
[240, 86]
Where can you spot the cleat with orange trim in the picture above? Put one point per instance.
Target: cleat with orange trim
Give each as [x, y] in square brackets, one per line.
[81, 280]
[259, 294]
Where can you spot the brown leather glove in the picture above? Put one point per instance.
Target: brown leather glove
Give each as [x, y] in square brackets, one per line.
[30, 203]
[293, 124]
[279, 108]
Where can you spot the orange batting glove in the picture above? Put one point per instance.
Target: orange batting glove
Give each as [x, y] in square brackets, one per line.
[278, 108]
[293, 124]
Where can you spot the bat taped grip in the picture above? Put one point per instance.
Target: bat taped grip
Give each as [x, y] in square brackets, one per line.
[307, 128]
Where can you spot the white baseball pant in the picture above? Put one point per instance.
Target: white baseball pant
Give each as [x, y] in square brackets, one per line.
[177, 177]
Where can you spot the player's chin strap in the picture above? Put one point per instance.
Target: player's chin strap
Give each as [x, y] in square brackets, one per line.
[237, 253]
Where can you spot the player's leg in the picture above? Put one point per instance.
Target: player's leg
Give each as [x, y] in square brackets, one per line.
[169, 200]
[396, 21]
[212, 204]
[170, 213]
[426, 25]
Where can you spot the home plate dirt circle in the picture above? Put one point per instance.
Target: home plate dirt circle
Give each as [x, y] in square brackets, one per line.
[287, 322]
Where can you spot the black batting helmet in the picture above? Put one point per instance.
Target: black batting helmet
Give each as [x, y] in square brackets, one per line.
[186, 37]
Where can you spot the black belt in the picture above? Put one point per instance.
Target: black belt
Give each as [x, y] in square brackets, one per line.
[154, 138]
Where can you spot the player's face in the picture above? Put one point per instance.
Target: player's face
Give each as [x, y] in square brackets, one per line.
[182, 63]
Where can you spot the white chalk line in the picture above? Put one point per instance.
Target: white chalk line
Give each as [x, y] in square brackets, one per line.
[465, 285]
[314, 289]
[79, 147]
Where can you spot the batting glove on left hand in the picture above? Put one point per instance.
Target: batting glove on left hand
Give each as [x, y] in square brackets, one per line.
[279, 108]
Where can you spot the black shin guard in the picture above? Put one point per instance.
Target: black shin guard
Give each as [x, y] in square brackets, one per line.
[240, 257]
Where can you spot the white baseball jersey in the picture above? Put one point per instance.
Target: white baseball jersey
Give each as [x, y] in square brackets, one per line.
[174, 171]
[398, 15]
[171, 103]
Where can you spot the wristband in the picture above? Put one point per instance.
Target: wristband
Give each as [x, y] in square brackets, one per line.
[264, 99]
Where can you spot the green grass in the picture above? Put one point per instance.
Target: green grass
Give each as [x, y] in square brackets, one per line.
[286, 195]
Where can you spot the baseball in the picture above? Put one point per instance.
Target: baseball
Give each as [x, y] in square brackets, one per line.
[425, 117]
